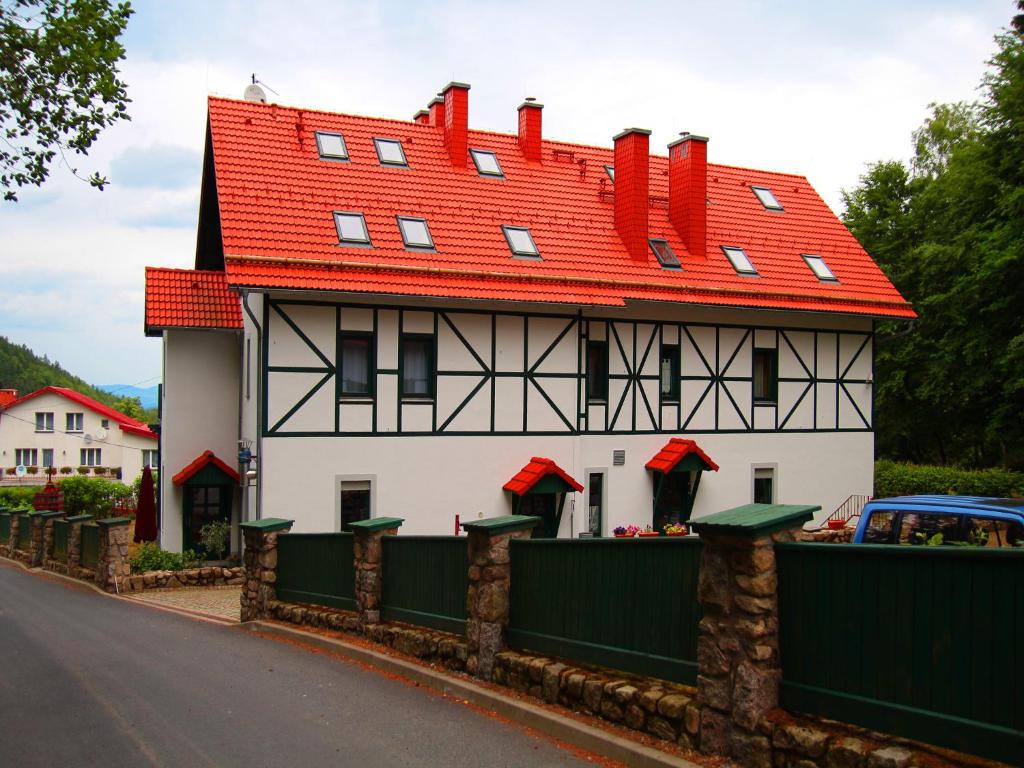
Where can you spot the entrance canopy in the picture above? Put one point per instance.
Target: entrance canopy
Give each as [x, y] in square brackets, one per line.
[207, 469]
[680, 455]
[542, 476]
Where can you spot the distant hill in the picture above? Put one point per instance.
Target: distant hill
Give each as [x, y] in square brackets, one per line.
[24, 370]
[147, 395]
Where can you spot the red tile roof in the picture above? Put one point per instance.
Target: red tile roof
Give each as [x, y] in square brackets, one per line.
[276, 199]
[126, 423]
[675, 450]
[531, 474]
[189, 298]
[206, 457]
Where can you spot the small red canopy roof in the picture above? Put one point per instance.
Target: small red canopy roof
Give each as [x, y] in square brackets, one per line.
[190, 298]
[675, 450]
[532, 473]
[201, 461]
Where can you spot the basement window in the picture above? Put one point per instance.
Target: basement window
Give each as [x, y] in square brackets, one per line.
[520, 241]
[820, 268]
[351, 228]
[486, 162]
[738, 258]
[415, 233]
[663, 252]
[610, 170]
[390, 152]
[767, 198]
[331, 146]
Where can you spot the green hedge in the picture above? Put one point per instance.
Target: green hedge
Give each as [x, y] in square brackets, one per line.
[19, 496]
[894, 478]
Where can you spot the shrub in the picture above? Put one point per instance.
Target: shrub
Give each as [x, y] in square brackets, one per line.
[151, 558]
[19, 496]
[92, 496]
[214, 537]
[66, 470]
[900, 479]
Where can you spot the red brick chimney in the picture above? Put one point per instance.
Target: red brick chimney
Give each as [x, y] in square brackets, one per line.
[530, 129]
[436, 112]
[456, 122]
[422, 117]
[632, 185]
[688, 191]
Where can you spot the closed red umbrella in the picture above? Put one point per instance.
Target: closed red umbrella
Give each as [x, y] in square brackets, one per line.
[145, 514]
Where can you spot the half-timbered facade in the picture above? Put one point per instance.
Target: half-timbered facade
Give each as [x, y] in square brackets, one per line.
[375, 366]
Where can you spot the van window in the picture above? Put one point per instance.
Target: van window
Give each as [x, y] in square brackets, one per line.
[987, 532]
[929, 528]
[879, 530]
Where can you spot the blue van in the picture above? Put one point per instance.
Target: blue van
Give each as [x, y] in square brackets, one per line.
[952, 520]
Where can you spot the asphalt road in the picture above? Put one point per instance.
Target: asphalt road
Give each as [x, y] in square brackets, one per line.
[86, 680]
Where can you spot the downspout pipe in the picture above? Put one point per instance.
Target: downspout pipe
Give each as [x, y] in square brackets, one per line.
[259, 400]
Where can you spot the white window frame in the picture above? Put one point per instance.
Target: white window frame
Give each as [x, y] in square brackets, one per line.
[339, 479]
[730, 252]
[20, 454]
[75, 422]
[46, 421]
[47, 451]
[773, 468]
[150, 454]
[329, 155]
[86, 457]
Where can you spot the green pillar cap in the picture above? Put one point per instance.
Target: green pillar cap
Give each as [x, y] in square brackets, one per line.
[376, 524]
[504, 524]
[267, 525]
[114, 521]
[48, 513]
[755, 520]
[78, 519]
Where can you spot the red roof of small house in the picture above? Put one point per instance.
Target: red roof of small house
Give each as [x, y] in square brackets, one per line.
[674, 451]
[126, 423]
[190, 298]
[532, 473]
[276, 200]
[206, 457]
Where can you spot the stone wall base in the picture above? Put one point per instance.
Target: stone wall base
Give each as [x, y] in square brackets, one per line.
[5, 551]
[85, 574]
[22, 556]
[56, 566]
[209, 576]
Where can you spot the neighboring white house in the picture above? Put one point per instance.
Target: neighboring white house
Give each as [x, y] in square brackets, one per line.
[396, 317]
[61, 428]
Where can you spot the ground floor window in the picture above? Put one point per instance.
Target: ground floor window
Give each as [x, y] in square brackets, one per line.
[90, 457]
[149, 459]
[355, 502]
[25, 457]
[47, 457]
[204, 504]
[595, 502]
[764, 485]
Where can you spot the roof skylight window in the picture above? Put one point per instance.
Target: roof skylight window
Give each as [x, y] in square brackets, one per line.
[663, 252]
[415, 233]
[610, 170]
[351, 228]
[390, 152]
[767, 198]
[820, 268]
[739, 260]
[331, 146]
[520, 241]
[486, 162]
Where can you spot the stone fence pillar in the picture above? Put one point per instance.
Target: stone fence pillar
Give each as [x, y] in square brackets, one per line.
[42, 536]
[487, 601]
[738, 669]
[260, 559]
[75, 542]
[19, 517]
[113, 567]
[368, 556]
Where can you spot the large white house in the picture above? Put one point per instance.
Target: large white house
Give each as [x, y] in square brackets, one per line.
[395, 318]
[64, 429]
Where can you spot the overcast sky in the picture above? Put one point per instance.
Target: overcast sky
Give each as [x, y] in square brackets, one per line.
[818, 88]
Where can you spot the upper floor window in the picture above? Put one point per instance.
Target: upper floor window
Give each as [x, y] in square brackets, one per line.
[75, 422]
[739, 260]
[44, 422]
[25, 457]
[415, 233]
[486, 162]
[597, 371]
[820, 268]
[766, 375]
[351, 228]
[418, 367]
[331, 146]
[610, 170]
[390, 152]
[767, 198]
[90, 457]
[520, 241]
[356, 369]
[663, 252]
[149, 459]
[105, 423]
[669, 372]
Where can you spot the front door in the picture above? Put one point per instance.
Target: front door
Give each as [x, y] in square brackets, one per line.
[204, 504]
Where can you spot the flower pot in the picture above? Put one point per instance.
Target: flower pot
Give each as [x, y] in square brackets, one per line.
[680, 533]
[648, 533]
[623, 536]
[835, 525]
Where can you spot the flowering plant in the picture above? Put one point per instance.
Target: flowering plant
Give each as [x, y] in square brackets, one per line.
[632, 530]
[677, 529]
[619, 531]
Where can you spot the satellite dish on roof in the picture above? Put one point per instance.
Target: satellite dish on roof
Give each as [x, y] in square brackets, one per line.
[254, 93]
[101, 434]
[87, 438]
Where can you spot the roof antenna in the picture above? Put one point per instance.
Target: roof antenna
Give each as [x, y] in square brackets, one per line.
[253, 92]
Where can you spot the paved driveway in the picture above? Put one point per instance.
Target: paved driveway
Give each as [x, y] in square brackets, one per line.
[222, 602]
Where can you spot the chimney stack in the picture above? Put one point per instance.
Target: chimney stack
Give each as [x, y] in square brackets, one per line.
[530, 129]
[456, 122]
[436, 112]
[422, 117]
[688, 191]
[632, 190]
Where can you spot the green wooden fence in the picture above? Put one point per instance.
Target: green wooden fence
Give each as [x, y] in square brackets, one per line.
[922, 642]
[5, 527]
[425, 581]
[316, 568]
[90, 553]
[629, 604]
[25, 533]
[61, 528]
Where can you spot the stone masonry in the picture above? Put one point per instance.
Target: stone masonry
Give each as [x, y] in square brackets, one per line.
[368, 555]
[113, 566]
[43, 550]
[260, 562]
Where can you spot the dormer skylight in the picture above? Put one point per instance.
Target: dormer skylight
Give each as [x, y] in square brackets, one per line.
[610, 170]
[663, 252]
[820, 268]
[415, 233]
[767, 198]
[331, 146]
[738, 258]
[520, 242]
[486, 162]
[390, 152]
[351, 228]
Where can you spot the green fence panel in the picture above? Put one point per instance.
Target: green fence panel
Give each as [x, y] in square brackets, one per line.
[61, 528]
[921, 642]
[629, 604]
[425, 579]
[5, 527]
[25, 533]
[90, 552]
[316, 568]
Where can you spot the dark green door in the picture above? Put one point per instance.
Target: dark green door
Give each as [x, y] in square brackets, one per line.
[674, 498]
[541, 505]
[204, 504]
